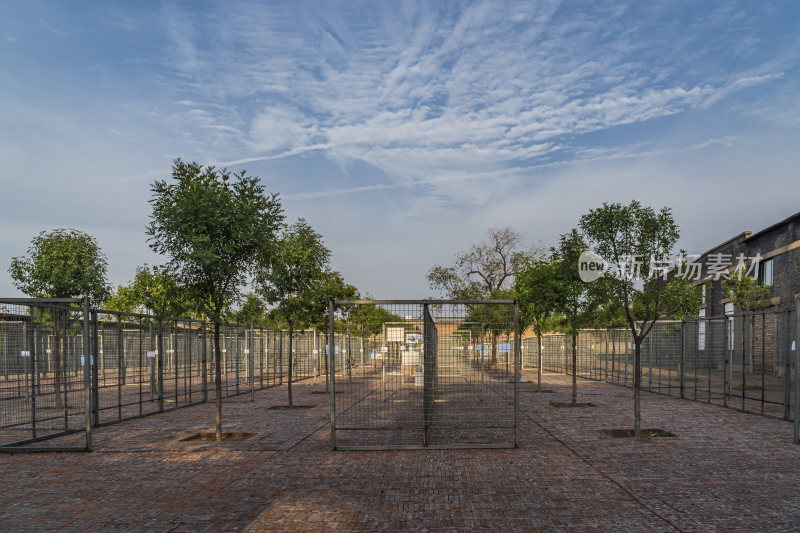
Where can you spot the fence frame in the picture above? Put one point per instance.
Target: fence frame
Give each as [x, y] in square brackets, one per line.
[181, 349]
[22, 446]
[426, 303]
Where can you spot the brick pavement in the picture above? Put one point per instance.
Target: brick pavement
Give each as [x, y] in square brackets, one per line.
[725, 470]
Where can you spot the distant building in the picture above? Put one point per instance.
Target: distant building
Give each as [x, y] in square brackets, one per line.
[770, 254]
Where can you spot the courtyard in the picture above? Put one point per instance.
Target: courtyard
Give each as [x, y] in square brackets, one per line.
[724, 470]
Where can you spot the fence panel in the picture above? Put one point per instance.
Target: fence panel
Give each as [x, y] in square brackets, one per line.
[436, 374]
[44, 387]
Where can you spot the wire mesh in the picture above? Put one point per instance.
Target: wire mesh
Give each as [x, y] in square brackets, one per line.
[138, 366]
[42, 386]
[425, 374]
[743, 361]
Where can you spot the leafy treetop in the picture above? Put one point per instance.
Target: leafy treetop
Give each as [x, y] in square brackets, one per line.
[212, 225]
[64, 263]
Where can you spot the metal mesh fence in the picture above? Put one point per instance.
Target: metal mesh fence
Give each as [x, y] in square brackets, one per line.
[434, 374]
[743, 361]
[44, 381]
[137, 365]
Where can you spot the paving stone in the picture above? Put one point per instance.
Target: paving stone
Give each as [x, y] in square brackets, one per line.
[724, 471]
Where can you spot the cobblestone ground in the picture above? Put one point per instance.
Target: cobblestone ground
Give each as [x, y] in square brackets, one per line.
[725, 470]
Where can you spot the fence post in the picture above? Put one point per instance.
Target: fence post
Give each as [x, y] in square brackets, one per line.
[251, 367]
[787, 399]
[483, 364]
[726, 362]
[160, 367]
[120, 365]
[332, 370]
[517, 365]
[32, 355]
[204, 364]
[797, 371]
[682, 362]
[87, 375]
[92, 357]
[606, 357]
[280, 359]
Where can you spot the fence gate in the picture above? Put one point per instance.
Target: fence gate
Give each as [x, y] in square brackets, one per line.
[428, 374]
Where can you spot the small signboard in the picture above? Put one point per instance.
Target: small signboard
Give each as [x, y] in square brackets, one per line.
[315, 352]
[25, 353]
[395, 334]
[504, 347]
[151, 353]
[335, 349]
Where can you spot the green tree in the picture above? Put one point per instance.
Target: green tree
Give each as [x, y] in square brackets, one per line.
[746, 293]
[212, 225]
[158, 290]
[575, 302]
[536, 285]
[122, 300]
[484, 270]
[63, 263]
[496, 319]
[291, 278]
[155, 290]
[637, 242]
[252, 311]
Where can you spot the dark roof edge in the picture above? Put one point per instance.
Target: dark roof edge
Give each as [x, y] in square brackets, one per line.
[784, 221]
[745, 234]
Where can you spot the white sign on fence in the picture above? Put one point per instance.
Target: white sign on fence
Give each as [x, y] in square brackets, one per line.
[151, 353]
[25, 353]
[395, 334]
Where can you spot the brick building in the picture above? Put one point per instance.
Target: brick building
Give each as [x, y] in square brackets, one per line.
[777, 248]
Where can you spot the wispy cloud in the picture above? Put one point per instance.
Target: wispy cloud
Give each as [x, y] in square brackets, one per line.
[428, 120]
[424, 94]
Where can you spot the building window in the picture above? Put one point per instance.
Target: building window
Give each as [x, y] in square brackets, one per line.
[701, 328]
[765, 272]
[731, 322]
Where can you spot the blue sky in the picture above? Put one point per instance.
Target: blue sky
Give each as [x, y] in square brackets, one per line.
[401, 131]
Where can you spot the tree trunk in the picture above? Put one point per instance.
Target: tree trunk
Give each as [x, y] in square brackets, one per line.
[494, 350]
[291, 360]
[539, 364]
[574, 370]
[637, 385]
[218, 383]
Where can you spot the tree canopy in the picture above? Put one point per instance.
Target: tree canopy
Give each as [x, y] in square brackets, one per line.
[63, 263]
[484, 269]
[745, 292]
[212, 225]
